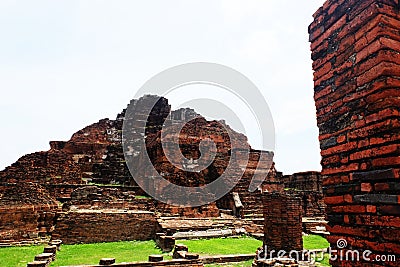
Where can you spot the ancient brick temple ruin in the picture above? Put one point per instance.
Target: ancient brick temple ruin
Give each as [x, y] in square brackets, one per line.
[81, 190]
[356, 58]
[86, 194]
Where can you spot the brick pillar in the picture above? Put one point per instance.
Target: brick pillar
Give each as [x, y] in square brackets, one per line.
[356, 58]
[282, 222]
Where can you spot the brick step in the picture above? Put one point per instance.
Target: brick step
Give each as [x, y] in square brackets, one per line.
[255, 215]
[252, 211]
[179, 225]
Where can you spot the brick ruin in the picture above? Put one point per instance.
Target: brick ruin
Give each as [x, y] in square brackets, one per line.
[96, 226]
[355, 52]
[308, 187]
[49, 167]
[356, 60]
[92, 213]
[27, 211]
[114, 208]
[282, 219]
[31, 187]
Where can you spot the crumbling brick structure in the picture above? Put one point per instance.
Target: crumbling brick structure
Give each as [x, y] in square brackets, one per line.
[356, 52]
[94, 150]
[48, 167]
[196, 129]
[305, 181]
[95, 154]
[93, 226]
[76, 160]
[282, 223]
[26, 212]
[308, 186]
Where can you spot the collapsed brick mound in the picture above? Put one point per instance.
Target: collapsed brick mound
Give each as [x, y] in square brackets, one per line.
[94, 197]
[189, 138]
[94, 192]
[95, 152]
[44, 167]
[24, 194]
[70, 162]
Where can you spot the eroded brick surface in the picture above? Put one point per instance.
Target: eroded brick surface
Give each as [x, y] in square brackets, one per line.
[94, 226]
[282, 222]
[26, 212]
[355, 49]
[307, 186]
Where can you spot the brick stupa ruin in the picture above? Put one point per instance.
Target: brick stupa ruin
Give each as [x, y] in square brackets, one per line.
[355, 52]
[83, 173]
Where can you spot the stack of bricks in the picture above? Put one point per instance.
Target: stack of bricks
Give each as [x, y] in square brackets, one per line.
[164, 242]
[282, 222]
[356, 58]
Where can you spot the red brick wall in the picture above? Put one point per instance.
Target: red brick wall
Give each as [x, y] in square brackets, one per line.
[26, 221]
[93, 226]
[52, 166]
[356, 55]
[26, 210]
[306, 181]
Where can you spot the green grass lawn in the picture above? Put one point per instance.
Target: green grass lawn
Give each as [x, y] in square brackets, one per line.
[139, 251]
[222, 246]
[18, 256]
[92, 253]
[317, 242]
[314, 242]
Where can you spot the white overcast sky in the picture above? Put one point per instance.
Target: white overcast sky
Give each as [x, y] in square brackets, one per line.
[67, 64]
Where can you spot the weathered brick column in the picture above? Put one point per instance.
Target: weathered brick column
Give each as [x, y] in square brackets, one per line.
[356, 58]
[282, 222]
